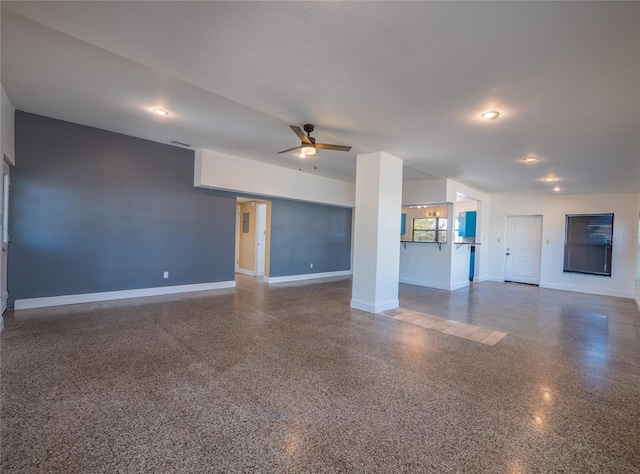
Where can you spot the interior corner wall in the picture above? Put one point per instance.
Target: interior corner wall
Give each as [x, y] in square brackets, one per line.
[303, 233]
[95, 211]
[554, 210]
[459, 254]
[465, 206]
[484, 209]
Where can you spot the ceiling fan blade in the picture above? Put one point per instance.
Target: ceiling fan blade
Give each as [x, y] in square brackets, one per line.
[298, 131]
[290, 149]
[325, 146]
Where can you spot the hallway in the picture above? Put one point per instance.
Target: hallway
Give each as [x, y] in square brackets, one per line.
[288, 378]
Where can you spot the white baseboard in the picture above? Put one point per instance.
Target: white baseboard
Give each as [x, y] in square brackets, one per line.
[429, 284]
[375, 308]
[307, 276]
[497, 279]
[593, 291]
[251, 273]
[459, 285]
[435, 284]
[44, 302]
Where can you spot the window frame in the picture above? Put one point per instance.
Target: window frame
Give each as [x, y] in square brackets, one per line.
[588, 244]
[437, 231]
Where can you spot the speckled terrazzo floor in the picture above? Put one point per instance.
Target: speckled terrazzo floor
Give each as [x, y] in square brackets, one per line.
[290, 379]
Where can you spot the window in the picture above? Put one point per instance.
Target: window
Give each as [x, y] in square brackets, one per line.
[430, 229]
[588, 244]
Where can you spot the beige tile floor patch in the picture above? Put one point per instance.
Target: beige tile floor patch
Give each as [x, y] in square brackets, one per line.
[485, 336]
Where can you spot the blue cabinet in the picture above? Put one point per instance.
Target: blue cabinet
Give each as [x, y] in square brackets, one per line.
[467, 224]
[403, 224]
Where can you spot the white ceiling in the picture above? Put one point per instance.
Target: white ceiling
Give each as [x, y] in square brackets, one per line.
[408, 78]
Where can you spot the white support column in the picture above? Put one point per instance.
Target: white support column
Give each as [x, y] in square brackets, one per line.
[376, 255]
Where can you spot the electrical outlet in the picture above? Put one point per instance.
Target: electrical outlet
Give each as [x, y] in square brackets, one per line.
[165, 275]
[311, 265]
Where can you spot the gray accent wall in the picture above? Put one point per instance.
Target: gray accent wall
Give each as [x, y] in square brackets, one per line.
[304, 233]
[94, 211]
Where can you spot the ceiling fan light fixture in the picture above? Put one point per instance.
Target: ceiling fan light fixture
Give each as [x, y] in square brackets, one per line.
[309, 147]
[307, 151]
[492, 114]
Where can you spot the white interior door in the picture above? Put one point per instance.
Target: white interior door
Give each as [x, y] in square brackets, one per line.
[260, 238]
[4, 222]
[524, 238]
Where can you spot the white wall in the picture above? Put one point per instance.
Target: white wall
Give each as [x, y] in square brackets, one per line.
[424, 191]
[7, 127]
[423, 264]
[232, 173]
[460, 262]
[554, 210]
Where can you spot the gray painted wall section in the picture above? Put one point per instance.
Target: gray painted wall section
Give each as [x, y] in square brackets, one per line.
[304, 233]
[94, 211]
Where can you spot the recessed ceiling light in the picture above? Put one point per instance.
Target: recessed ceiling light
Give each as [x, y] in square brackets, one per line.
[556, 189]
[549, 180]
[490, 115]
[159, 112]
[530, 159]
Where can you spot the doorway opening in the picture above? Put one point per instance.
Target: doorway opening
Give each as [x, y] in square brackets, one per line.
[253, 230]
[466, 231]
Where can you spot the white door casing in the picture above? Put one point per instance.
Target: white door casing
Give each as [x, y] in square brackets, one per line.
[523, 245]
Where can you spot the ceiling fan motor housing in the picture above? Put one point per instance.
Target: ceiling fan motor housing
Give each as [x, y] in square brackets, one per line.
[308, 127]
[309, 145]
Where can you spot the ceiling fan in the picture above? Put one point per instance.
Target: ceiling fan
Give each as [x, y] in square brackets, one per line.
[309, 145]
